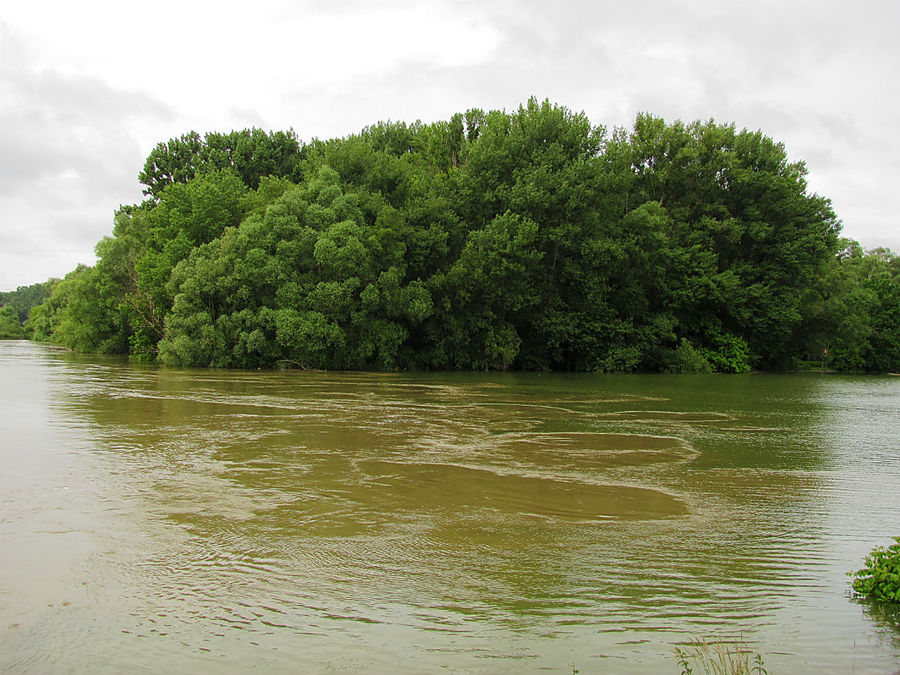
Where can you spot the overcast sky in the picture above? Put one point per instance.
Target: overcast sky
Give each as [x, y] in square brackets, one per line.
[87, 89]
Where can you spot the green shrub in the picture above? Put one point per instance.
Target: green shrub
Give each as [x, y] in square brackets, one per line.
[686, 359]
[728, 354]
[879, 579]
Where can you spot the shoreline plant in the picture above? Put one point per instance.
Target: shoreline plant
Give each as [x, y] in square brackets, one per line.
[719, 657]
[879, 578]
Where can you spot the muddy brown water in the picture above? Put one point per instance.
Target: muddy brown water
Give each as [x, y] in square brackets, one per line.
[165, 520]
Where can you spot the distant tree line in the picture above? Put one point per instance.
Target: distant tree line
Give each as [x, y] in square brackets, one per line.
[528, 240]
[15, 306]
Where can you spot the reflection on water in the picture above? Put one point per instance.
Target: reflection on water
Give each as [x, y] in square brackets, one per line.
[211, 520]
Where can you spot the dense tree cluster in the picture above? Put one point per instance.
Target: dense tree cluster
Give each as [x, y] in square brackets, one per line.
[15, 306]
[531, 239]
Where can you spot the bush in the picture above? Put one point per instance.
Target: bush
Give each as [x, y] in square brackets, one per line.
[729, 354]
[879, 579]
[686, 359]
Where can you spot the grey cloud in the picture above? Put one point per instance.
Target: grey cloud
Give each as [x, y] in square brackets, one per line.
[54, 124]
[68, 158]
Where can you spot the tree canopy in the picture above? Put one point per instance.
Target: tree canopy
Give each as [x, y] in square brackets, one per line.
[530, 239]
[15, 306]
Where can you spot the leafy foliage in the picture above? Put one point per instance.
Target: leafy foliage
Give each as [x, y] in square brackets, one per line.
[10, 328]
[24, 298]
[686, 359]
[879, 578]
[252, 154]
[529, 239]
[853, 313]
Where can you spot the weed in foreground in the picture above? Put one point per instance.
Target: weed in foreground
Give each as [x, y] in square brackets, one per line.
[720, 657]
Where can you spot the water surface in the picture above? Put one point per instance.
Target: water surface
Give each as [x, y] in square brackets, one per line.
[169, 520]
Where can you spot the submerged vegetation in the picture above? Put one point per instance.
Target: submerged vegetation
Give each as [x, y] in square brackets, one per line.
[529, 240]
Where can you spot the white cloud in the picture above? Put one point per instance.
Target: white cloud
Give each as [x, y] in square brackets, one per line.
[213, 61]
[67, 159]
[88, 88]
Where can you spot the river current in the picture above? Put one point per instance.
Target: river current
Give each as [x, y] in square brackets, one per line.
[168, 520]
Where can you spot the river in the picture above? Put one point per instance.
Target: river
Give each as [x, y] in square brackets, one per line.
[165, 520]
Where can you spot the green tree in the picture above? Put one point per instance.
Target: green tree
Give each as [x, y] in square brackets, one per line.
[748, 241]
[525, 239]
[77, 314]
[252, 154]
[24, 298]
[855, 322]
[10, 327]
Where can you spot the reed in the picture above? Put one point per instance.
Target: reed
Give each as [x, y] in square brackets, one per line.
[719, 657]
